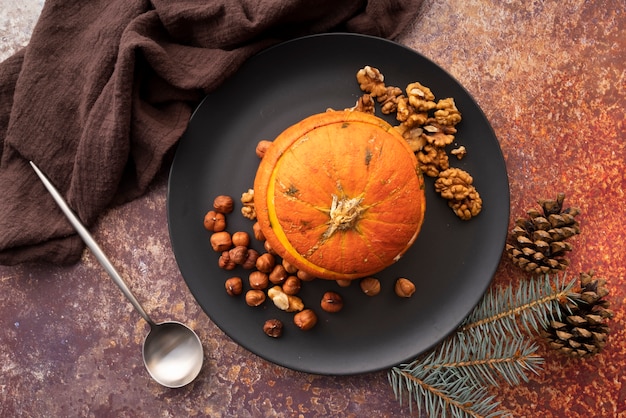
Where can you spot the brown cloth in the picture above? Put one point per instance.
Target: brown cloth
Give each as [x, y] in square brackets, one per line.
[105, 88]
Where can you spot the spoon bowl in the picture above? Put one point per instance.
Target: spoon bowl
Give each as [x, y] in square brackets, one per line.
[172, 352]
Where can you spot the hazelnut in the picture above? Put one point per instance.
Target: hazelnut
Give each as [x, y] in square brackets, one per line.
[234, 286]
[241, 238]
[261, 147]
[278, 274]
[404, 288]
[221, 241]
[331, 302]
[258, 280]
[214, 221]
[239, 254]
[370, 286]
[304, 276]
[343, 283]
[273, 328]
[258, 234]
[290, 268]
[224, 262]
[223, 204]
[292, 285]
[255, 297]
[305, 319]
[250, 262]
[265, 263]
[268, 247]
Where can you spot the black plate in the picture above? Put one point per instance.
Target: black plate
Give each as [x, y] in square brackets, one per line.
[452, 261]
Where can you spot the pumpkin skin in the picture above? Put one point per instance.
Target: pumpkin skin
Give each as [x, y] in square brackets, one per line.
[340, 195]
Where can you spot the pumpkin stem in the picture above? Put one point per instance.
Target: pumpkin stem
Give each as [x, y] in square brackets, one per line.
[344, 214]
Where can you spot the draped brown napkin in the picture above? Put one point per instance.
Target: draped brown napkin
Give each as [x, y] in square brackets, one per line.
[105, 88]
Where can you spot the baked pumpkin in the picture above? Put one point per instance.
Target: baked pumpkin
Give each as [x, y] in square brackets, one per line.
[340, 195]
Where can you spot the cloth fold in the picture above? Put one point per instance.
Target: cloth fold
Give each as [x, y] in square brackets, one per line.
[104, 90]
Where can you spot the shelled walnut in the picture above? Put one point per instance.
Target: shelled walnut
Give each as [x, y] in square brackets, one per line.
[389, 99]
[433, 160]
[439, 135]
[455, 185]
[447, 113]
[459, 152]
[420, 97]
[371, 81]
[364, 104]
[247, 199]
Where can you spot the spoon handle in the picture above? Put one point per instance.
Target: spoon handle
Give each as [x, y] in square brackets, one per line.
[91, 243]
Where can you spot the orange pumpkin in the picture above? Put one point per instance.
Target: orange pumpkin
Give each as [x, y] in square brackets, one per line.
[340, 195]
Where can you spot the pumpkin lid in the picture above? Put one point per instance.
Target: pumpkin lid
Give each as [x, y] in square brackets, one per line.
[340, 195]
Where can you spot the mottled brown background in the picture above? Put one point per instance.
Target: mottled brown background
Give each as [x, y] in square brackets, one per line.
[550, 76]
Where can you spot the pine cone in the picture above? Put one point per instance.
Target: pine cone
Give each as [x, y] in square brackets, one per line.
[585, 330]
[538, 243]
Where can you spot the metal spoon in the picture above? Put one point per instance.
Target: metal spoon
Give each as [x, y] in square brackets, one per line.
[172, 352]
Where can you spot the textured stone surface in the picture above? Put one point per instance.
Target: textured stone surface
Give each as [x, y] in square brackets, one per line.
[550, 77]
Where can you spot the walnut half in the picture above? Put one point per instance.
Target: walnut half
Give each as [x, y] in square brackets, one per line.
[455, 185]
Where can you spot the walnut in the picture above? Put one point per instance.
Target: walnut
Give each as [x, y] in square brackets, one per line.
[415, 120]
[364, 104]
[420, 97]
[468, 207]
[406, 114]
[447, 113]
[455, 185]
[432, 160]
[248, 210]
[413, 136]
[389, 100]
[439, 135]
[459, 152]
[403, 108]
[371, 81]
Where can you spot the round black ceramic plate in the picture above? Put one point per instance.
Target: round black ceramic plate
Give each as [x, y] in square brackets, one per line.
[451, 263]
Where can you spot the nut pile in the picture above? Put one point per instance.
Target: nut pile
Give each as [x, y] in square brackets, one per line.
[429, 127]
[270, 277]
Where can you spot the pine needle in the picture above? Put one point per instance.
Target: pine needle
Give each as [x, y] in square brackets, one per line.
[488, 347]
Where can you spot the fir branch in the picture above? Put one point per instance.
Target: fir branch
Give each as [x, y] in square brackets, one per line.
[536, 303]
[443, 394]
[487, 361]
[488, 346]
